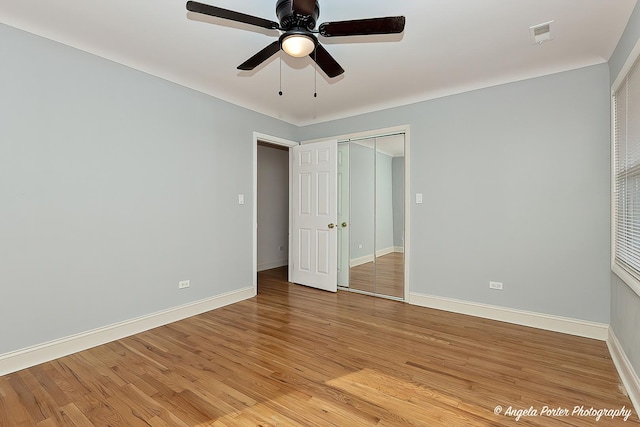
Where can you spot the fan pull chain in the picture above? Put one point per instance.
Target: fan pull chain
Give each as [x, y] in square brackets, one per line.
[315, 73]
[280, 92]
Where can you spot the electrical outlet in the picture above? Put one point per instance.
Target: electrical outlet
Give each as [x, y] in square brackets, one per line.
[184, 284]
[495, 285]
[359, 246]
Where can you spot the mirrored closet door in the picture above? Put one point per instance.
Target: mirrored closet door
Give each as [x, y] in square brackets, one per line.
[371, 215]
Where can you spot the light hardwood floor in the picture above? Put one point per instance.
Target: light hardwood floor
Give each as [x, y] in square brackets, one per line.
[302, 357]
[389, 276]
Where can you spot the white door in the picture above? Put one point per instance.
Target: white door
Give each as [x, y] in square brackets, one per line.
[314, 214]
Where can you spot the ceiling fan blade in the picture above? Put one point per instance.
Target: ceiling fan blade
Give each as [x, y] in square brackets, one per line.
[304, 7]
[260, 57]
[326, 62]
[363, 27]
[205, 9]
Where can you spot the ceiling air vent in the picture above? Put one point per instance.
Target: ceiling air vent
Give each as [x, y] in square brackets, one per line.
[541, 33]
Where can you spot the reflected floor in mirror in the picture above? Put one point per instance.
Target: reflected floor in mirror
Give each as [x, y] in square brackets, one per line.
[389, 276]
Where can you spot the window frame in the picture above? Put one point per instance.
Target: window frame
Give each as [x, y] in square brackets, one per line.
[619, 270]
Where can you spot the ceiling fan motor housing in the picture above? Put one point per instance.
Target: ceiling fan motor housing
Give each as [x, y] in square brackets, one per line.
[292, 20]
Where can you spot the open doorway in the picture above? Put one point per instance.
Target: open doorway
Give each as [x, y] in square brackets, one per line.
[272, 206]
[272, 150]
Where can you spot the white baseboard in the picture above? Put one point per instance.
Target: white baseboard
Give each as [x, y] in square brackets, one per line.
[625, 370]
[272, 264]
[566, 325]
[24, 358]
[354, 262]
[385, 251]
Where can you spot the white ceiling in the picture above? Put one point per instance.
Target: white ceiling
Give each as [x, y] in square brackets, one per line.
[449, 46]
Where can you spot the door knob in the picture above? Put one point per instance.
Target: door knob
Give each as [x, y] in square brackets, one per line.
[331, 225]
[344, 224]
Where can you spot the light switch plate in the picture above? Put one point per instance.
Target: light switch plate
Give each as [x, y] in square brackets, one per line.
[418, 197]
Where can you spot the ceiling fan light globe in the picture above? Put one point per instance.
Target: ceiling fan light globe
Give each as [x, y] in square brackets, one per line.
[298, 45]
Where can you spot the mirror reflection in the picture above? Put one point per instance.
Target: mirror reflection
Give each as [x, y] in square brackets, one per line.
[362, 213]
[389, 261]
[373, 247]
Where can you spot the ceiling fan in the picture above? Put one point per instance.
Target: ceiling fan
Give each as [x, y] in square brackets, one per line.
[297, 23]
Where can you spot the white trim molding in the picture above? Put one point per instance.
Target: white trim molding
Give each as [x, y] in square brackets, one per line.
[31, 356]
[620, 271]
[625, 369]
[548, 322]
[354, 262]
[385, 251]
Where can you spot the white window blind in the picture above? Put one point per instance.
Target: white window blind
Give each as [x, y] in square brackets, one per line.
[626, 103]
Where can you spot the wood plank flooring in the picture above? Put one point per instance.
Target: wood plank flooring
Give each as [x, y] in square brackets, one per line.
[389, 275]
[296, 356]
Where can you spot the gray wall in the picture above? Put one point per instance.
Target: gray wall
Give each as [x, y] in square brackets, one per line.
[398, 201]
[115, 185]
[625, 303]
[625, 319]
[273, 207]
[516, 187]
[627, 42]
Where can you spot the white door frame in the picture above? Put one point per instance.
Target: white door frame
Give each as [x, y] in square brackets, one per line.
[277, 141]
[407, 190]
